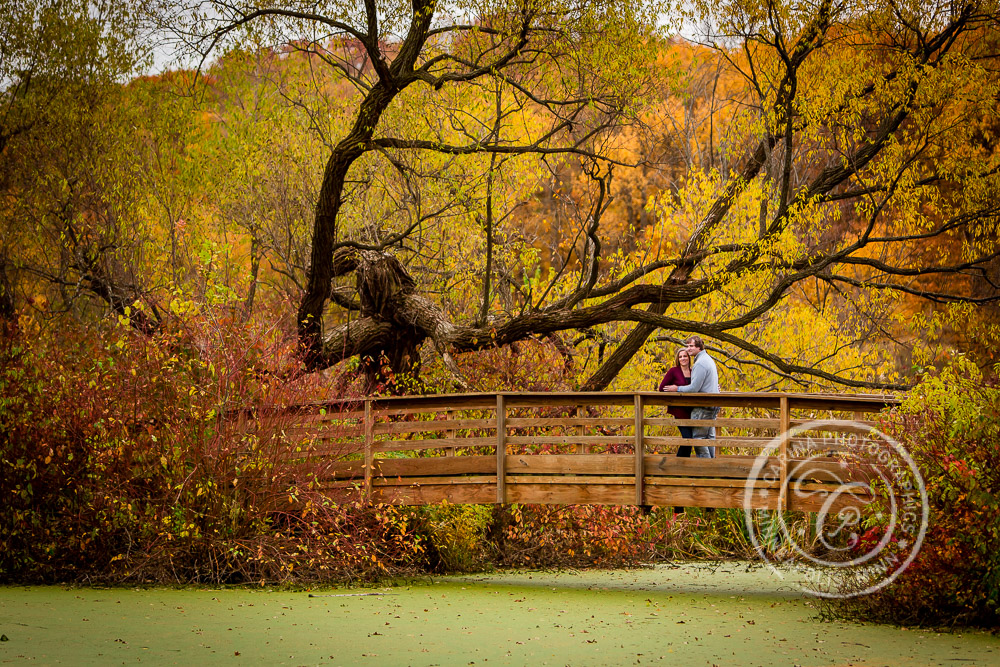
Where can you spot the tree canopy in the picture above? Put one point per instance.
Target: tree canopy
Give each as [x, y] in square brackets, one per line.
[62, 62]
[805, 184]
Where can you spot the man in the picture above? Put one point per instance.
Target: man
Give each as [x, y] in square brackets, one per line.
[704, 380]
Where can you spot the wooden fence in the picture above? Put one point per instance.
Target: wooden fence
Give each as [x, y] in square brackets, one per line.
[774, 451]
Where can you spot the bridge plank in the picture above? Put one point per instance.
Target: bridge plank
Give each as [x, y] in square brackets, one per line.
[857, 489]
[385, 413]
[771, 400]
[735, 497]
[441, 466]
[569, 439]
[717, 496]
[655, 467]
[726, 400]
[569, 479]
[572, 464]
[709, 481]
[431, 443]
[568, 399]
[438, 465]
[435, 480]
[398, 405]
[829, 470]
[862, 427]
[798, 445]
[655, 495]
[604, 494]
[814, 502]
[545, 422]
[432, 494]
[675, 441]
[298, 417]
[726, 422]
[571, 494]
[738, 467]
[838, 402]
[387, 406]
[435, 426]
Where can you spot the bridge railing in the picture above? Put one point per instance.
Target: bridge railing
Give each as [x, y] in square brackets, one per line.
[775, 450]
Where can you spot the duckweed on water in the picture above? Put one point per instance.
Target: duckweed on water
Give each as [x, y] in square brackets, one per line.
[691, 614]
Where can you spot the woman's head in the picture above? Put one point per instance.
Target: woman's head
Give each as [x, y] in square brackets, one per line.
[682, 359]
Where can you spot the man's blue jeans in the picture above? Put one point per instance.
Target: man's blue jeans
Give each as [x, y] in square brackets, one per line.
[705, 452]
[701, 452]
[703, 433]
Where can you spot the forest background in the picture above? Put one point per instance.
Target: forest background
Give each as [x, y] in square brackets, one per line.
[335, 200]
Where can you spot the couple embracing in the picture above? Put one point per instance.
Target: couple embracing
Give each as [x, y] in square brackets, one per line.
[693, 372]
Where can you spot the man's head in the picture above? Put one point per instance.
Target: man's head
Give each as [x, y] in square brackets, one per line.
[694, 346]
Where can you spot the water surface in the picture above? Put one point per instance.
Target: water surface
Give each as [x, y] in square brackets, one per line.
[695, 614]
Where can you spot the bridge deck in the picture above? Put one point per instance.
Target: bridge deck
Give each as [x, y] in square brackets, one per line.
[799, 452]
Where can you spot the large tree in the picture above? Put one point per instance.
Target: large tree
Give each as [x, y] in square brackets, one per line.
[857, 153]
[574, 67]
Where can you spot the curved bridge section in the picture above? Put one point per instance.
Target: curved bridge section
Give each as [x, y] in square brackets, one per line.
[799, 452]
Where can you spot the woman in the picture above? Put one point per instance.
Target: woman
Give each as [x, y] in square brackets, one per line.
[680, 375]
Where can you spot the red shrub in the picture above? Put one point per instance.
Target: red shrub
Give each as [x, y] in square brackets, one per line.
[122, 462]
[950, 424]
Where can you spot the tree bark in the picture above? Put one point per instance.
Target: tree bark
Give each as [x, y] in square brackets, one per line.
[392, 81]
[324, 237]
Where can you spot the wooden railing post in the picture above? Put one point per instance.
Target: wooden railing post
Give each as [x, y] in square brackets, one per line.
[451, 434]
[501, 450]
[369, 449]
[785, 421]
[640, 448]
[579, 430]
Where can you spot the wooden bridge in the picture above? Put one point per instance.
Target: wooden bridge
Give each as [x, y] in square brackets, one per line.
[774, 450]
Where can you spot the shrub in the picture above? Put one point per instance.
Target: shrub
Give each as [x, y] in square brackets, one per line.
[950, 424]
[123, 461]
[454, 537]
[582, 535]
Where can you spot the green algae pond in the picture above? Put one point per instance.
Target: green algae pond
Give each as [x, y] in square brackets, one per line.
[693, 614]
